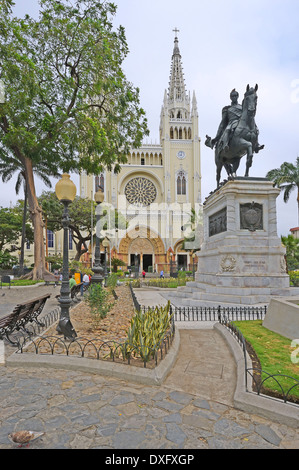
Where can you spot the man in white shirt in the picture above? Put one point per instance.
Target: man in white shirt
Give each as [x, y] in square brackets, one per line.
[85, 281]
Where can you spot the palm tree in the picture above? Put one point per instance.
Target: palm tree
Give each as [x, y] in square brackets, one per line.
[7, 170]
[286, 178]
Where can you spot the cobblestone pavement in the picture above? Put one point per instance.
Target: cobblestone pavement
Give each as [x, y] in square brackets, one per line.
[191, 410]
[9, 298]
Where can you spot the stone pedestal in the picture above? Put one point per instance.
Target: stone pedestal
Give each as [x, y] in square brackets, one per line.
[242, 259]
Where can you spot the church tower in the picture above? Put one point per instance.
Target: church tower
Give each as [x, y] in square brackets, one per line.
[179, 136]
[161, 182]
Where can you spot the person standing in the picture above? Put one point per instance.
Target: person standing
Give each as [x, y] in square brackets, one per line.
[85, 281]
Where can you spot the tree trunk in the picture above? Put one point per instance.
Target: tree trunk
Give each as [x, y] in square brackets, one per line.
[21, 271]
[39, 269]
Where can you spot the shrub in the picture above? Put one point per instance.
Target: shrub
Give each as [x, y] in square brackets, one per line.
[294, 278]
[97, 299]
[147, 330]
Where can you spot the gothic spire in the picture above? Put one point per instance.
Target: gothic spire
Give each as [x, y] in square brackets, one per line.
[177, 87]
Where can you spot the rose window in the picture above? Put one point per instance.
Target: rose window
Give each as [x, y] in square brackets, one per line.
[140, 192]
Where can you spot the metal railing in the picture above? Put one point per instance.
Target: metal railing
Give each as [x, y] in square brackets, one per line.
[259, 376]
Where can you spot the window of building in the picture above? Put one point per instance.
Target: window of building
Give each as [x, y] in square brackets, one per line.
[50, 235]
[181, 184]
[100, 182]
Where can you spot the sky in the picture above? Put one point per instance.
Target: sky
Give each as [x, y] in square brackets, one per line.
[224, 45]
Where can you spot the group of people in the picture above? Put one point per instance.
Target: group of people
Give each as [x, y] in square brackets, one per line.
[85, 281]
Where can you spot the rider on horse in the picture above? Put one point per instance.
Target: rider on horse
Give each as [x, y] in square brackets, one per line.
[230, 118]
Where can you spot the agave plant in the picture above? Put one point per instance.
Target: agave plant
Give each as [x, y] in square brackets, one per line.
[147, 330]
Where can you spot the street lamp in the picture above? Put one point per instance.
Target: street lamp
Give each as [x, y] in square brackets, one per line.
[97, 278]
[105, 244]
[66, 192]
[136, 266]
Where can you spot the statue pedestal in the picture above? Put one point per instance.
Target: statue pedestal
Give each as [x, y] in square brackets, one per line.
[241, 259]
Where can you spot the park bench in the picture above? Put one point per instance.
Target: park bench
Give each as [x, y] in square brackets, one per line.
[5, 280]
[51, 279]
[22, 314]
[75, 292]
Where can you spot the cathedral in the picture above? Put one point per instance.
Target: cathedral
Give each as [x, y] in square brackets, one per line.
[158, 187]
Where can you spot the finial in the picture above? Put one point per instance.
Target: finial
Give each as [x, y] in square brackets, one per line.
[176, 30]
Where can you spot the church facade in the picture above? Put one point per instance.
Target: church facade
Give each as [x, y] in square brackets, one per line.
[158, 187]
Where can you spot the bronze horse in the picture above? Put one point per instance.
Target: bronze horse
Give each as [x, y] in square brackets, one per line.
[243, 139]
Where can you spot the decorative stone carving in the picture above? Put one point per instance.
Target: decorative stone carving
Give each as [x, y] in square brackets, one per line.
[251, 216]
[140, 192]
[218, 222]
[228, 263]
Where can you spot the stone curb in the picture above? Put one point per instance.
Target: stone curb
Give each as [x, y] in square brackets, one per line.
[131, 373]
[269, 408]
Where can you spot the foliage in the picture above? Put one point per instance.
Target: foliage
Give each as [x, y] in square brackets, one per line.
[147, 330]
[56, 261]
[7, 260]
[63, 71]
[294, 278]
[22, 282]
[97, 298]
[112, 281]
[286, 177]
[79, 218]
[134, 282]
[193, 231]
[79, 267]
[68, 102]
[11, 219]
[274, 353]
[117, 262]
[167, 283]
[292, 251]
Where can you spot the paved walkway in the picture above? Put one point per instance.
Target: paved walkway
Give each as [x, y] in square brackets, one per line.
[191, 410]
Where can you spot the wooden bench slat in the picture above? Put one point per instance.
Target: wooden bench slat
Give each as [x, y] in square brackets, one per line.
[22, 314]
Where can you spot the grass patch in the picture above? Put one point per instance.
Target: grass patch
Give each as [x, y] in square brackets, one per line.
[274, 355]
[21, 282]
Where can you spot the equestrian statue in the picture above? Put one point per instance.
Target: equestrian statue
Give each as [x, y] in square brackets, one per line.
[237, 134]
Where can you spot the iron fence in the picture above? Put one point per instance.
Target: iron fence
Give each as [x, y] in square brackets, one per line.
[204, 313]
[260, 377]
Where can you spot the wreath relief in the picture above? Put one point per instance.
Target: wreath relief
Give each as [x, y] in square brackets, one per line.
[228, 263]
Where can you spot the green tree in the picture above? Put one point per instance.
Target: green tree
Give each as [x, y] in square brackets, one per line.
[7, 170]
[80, 223]
[11, 219]
[292, 251]
[68, 102]
[286, 177]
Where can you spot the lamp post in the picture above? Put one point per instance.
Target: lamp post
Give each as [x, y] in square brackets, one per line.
[66, 192]
[136, 266]
[105, 244]
[97, 278]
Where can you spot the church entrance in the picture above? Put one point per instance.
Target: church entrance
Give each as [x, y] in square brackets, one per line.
[148, 262]
[182, 262]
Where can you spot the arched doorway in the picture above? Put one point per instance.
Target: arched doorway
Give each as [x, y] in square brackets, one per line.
[146, 245]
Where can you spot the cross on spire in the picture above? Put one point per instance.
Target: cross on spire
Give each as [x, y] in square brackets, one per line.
[176, 30]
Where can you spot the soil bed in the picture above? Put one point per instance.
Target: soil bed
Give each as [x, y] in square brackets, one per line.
[96, 340]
